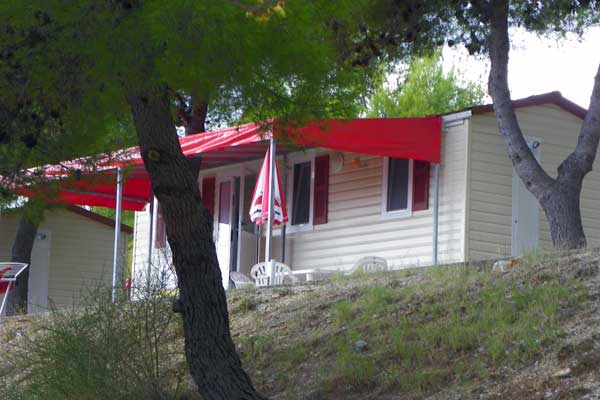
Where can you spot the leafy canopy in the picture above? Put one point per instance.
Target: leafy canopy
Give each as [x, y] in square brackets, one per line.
[88, 56]
[425, 90]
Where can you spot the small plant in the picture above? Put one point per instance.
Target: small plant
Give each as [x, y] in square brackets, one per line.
[245, 304]
[124, 350]
[294, 356]
[354, 369]
[343, 312]
[255, 346]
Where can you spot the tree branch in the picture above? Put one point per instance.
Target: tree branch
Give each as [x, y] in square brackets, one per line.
[581, 160]
[537, 181]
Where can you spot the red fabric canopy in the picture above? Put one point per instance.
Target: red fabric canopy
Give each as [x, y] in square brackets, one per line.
[413, 138]
[82, 182]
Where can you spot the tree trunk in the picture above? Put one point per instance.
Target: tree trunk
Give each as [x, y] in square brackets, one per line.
[21, 252]
[210, 351]
[564, 217]
[559, 197]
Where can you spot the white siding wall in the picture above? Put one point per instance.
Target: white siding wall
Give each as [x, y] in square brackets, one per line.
[490, 205]
[356, 227]
[80, 255]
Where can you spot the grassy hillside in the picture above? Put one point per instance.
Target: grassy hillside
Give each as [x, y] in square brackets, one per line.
[454, 332]
[448, 332]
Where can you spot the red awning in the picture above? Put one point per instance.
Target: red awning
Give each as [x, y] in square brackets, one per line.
[93, 184]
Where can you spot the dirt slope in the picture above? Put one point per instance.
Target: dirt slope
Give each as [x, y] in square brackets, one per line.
[530, 331]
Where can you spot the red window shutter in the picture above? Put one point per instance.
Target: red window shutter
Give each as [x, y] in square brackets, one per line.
[420, 196]
[321, 193]
[160, 240]
[208, 193]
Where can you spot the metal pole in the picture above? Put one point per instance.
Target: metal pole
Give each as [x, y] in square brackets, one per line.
[436, 210]
[150, 242]
[117, 234]
[284, 194]
[270, 220]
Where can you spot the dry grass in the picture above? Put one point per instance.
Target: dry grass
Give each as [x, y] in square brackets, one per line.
[444, 331]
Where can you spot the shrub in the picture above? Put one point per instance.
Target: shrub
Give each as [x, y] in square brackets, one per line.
[101, 350]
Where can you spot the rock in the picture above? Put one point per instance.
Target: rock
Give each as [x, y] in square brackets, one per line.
[501, 266]
[563, 373]
[262, 307]
[586, 269]
[360, 346]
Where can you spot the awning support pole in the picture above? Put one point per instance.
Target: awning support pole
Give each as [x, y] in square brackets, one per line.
[117, 234]
[150, 242]
[436, 210]
[271, 213]
[283, 230]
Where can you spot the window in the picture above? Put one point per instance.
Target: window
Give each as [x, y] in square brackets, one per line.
[307, 194]
[397, 187]
[301, 193]
[398, 177]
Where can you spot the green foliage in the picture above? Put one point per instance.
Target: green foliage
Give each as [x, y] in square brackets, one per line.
[127, 217]
[342, 312]
[255, 347]
[425, 90]
[99, 351]
[354, 369]
[89, 56]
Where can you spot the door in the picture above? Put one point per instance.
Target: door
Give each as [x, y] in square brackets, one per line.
[223, 234]
[248, 233]
[525, 213]
[39, 273]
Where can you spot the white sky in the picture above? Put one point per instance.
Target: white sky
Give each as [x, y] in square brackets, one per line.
[539, 65]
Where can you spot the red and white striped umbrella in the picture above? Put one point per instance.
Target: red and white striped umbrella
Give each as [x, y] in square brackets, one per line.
[259, 209]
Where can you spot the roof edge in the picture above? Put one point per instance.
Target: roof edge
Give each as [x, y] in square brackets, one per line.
[555, 98]
[98, 218]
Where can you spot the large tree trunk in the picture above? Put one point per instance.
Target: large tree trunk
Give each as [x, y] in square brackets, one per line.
[559, 197]
[210, 351]
[564, 217]
[21, 252]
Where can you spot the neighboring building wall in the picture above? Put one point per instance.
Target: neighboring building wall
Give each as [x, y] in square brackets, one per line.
[140, 244]
[81, 253]
[490, 205]
[356, 227]
[160, 257]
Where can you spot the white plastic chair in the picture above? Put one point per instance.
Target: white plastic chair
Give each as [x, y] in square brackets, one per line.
[369, 264]
[261, 276]
[9, 271]
[240, 280]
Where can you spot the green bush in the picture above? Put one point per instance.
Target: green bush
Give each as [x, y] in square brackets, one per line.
[128, 350]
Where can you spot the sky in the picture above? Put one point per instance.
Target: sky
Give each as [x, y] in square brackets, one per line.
[538, 65]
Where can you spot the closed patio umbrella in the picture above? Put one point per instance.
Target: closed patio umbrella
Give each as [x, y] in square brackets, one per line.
[259, 210]
[268, 203]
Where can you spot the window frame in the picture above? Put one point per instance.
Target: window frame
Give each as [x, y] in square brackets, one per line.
[292, 161]
[408, 212]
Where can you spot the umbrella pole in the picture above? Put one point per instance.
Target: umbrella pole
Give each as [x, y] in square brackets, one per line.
[269, 238]
[150, 242]
[119, 199]
[283, 230]
[436, 211]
